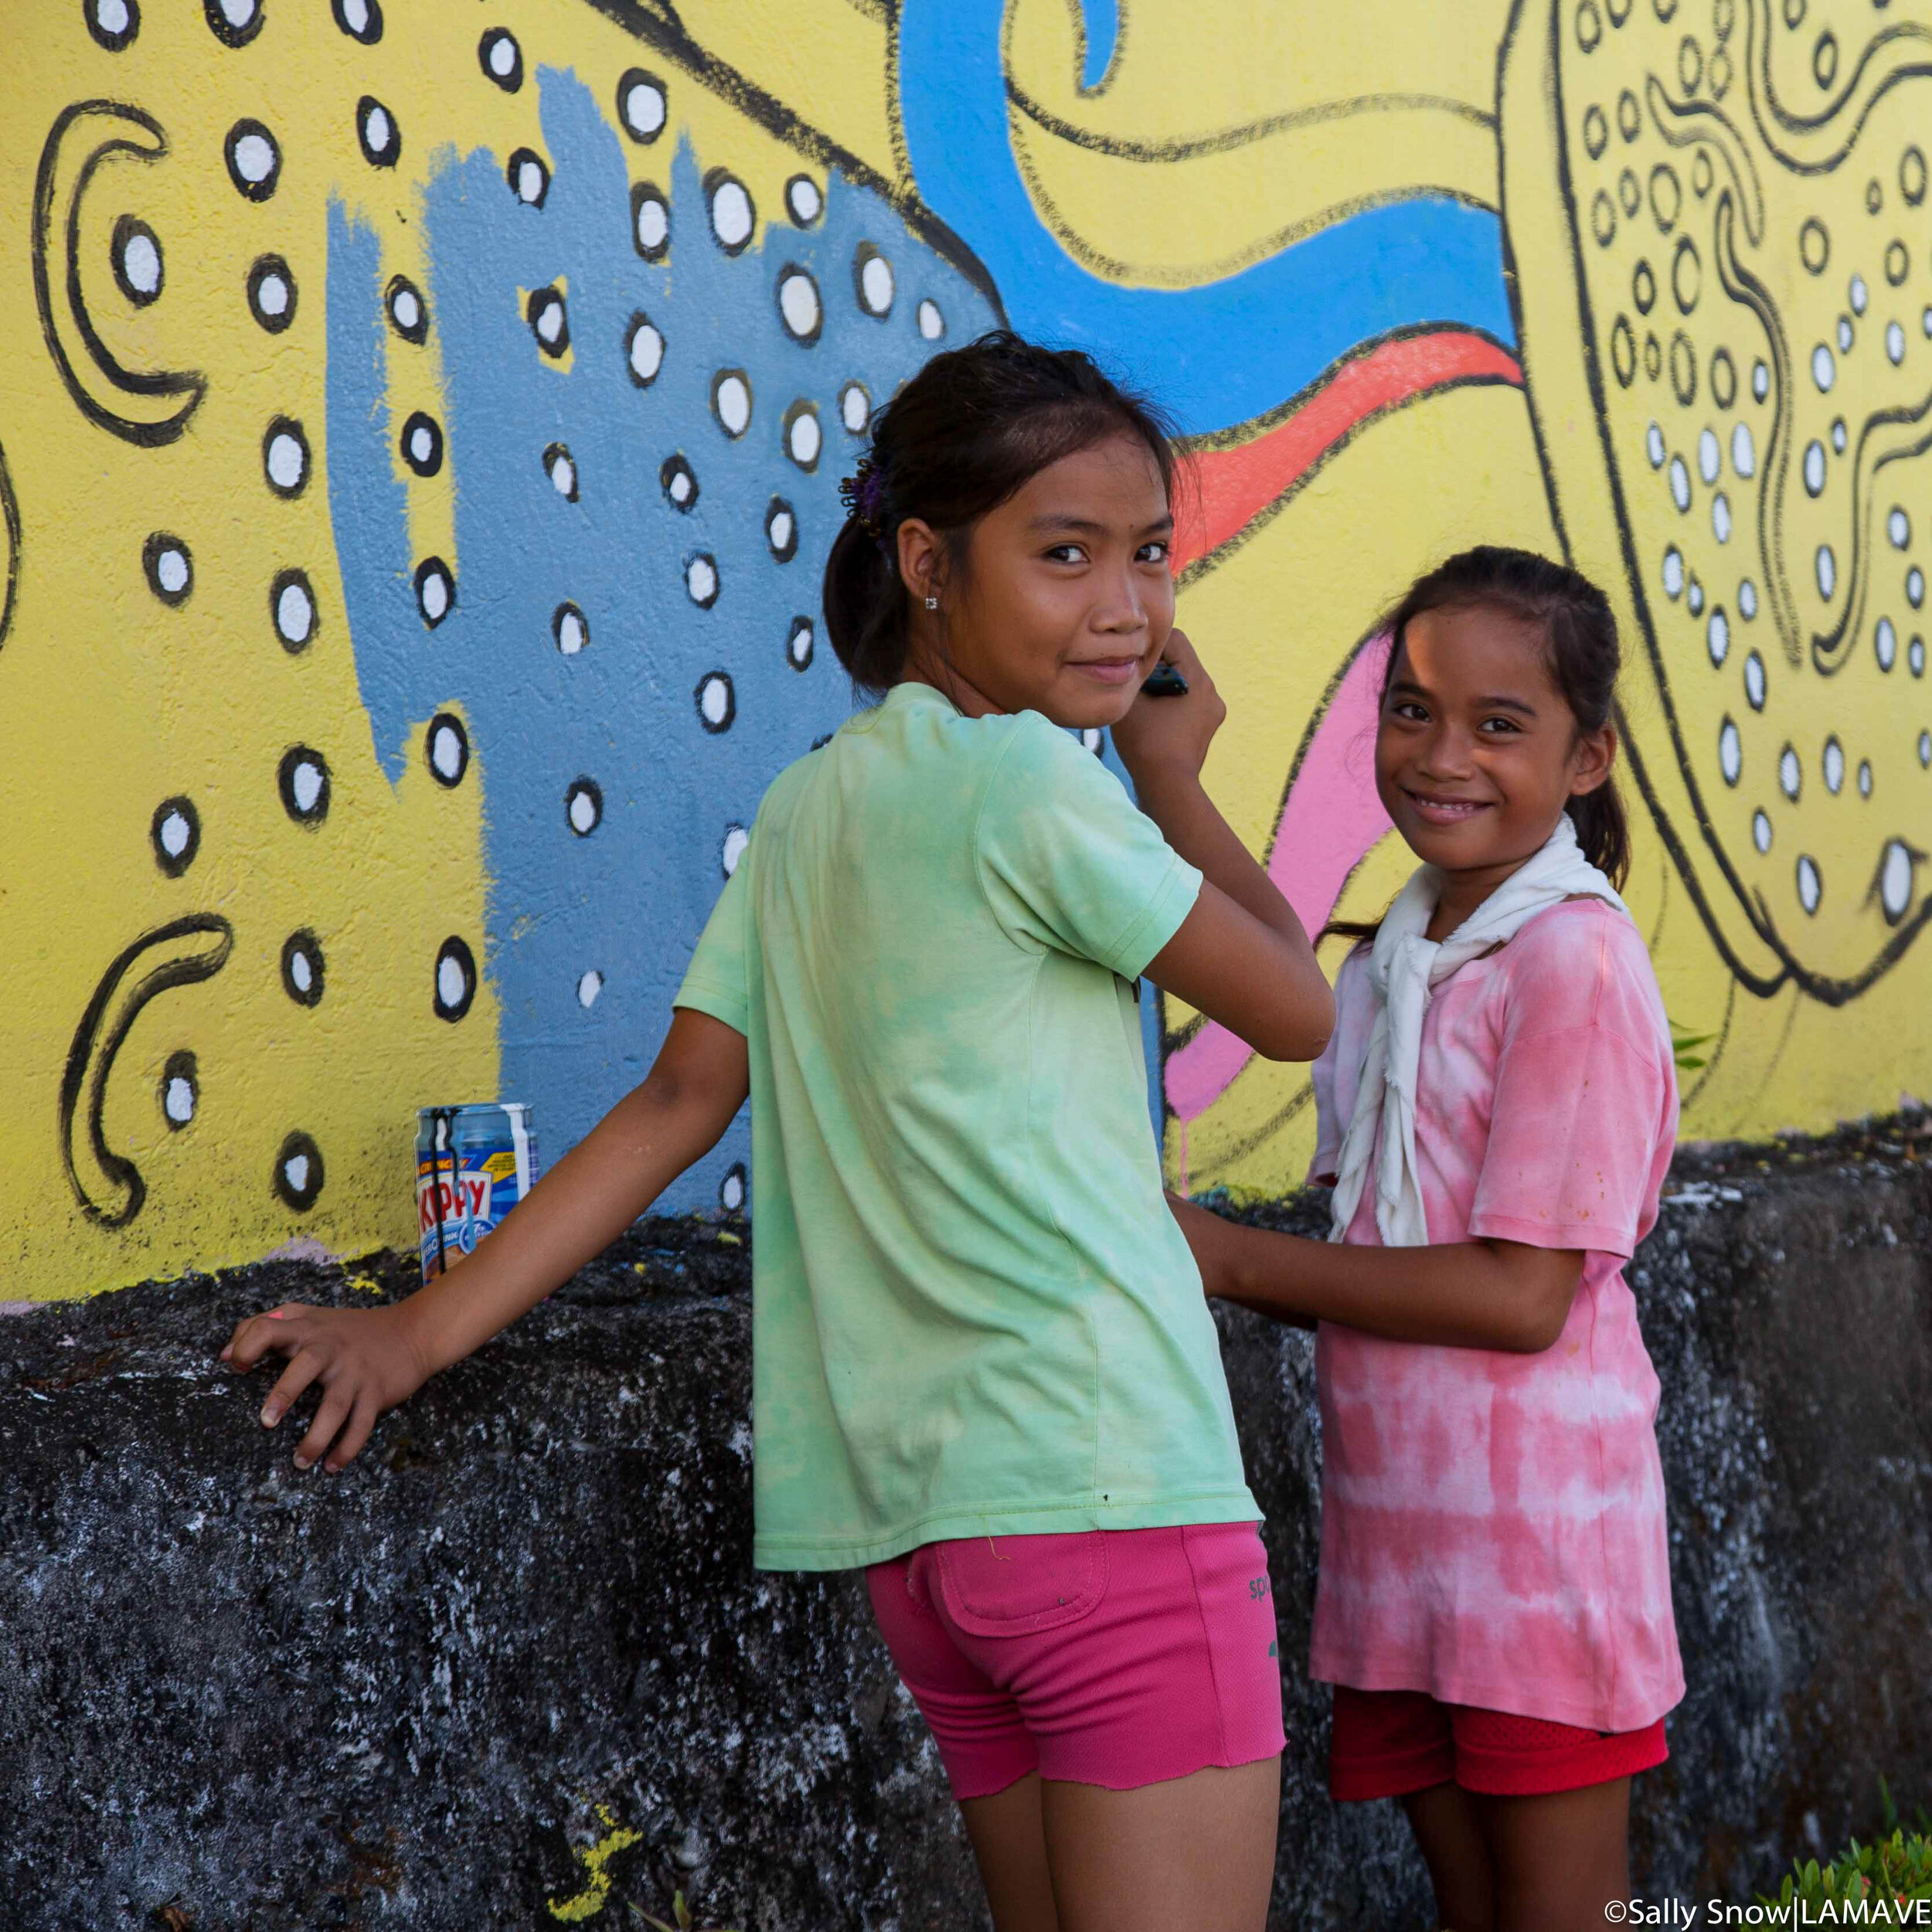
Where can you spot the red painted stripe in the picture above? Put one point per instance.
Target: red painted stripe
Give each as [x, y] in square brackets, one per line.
[1233, 486]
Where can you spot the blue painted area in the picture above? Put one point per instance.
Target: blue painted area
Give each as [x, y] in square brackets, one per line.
[1218, 354]
[629, 900]
[1103, 24]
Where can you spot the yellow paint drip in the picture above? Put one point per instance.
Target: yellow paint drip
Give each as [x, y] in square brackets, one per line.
[595, 1895]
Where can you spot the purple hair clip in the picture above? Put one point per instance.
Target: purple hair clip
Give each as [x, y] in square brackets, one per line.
[864, 497]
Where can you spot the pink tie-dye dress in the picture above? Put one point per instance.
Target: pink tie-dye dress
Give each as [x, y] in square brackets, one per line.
[1493, 1524]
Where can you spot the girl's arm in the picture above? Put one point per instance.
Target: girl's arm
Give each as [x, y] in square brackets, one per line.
[1459, 1295]
[369, 1359]
[1241, 956]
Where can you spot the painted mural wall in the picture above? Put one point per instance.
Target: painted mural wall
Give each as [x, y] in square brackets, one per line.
[421, 428]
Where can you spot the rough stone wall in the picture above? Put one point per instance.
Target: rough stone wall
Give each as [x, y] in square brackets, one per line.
[513, 1667]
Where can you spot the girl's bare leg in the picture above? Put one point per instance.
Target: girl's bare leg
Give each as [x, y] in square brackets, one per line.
[1197, 1852]
[1009, 1841]
[1449, 1836]
[1559, 1860]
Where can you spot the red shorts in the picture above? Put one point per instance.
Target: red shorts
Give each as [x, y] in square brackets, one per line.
[1118, 1657]
[1387, 1743]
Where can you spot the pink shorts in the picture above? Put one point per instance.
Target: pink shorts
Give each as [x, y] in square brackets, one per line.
[1118, 1657]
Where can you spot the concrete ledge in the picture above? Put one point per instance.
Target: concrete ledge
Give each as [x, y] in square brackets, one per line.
[513, 1668]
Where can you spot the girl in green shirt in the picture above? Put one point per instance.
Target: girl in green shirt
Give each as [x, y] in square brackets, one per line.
[983, 1370]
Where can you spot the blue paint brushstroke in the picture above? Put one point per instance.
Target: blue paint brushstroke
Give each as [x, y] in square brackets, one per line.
[1103, 32]
[1216, 355]
[629, 900]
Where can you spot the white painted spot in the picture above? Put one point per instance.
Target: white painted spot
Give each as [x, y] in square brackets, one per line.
[701, 579]
[170, 572]
[714, 701]
[305, 786]
[1894, 342]
[141, 264]
[446, 753]
[271, 295]
[503, 56]
[452, 986]
[1710, 455]
[549, 321]
[295, 1172]
[733, 1192]
[286, 461]
[1834, 762]
[1915, 587]
[932, 324]
[1898, 527]
[175, 834]
[407, 310]
[1864, 777]
[798, 304]
[423, 438]
[734, 405]
[1744, 451]
[1747, 598]
[799, 644]
[1925, 322]
[112, 15]
[1721, 517]
[645, 109]
[435, 596]
[1814, 466]
[1915, 656]
[1694, 600]
[1885, 641]
[529, 181]
[804, 200]
[1895, 879]
[1718, 636]
[1755, 681]
[588, 988]
[875, 284]
[1826, 571]
[295, 614]
[647, 352]
[179, 1103]
[1673, 572]
[1791, 773]
[1925, 749]
[1090, 739]
[379, 131]
[583, 812]
[778, 531]
[1730, 753]
[1810, 888]
[1823, 370]
[805, 439]
[356, 13]
[735, 839]
[1843, 334]
[301, 971]
[680, 486]
[254, 158]
[1680, 488]
[563, 476]
[1838, 435]
[654, 224]
[572, 635]
[1760, 831]
[1858, 295]
[731, 213]
[1654, 445]
[854, 409]
[1761, 380]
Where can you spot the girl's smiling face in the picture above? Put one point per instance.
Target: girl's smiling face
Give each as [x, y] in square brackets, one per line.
[1477, 749]
[1066, 597]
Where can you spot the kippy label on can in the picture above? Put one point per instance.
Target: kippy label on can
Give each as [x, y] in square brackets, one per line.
[473, 1164]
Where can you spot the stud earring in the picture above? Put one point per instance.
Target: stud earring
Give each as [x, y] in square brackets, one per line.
[932, 604]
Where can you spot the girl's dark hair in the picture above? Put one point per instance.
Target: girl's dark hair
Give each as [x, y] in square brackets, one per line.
[1580, 633]
[967, 432]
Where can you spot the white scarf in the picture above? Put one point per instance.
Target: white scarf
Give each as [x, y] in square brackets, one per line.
[1404, 967]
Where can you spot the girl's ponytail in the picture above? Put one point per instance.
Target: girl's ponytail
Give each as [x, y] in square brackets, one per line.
[863, 603]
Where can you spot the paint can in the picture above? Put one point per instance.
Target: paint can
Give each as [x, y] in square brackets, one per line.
[474, 1163]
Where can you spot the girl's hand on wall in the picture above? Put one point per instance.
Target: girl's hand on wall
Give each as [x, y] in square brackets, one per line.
[1171, 734]
[365, 1359]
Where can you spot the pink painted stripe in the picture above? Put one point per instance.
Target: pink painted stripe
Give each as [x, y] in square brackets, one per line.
[1332, 819]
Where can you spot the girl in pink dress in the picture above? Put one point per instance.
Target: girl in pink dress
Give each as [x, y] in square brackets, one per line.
[1498, 1104]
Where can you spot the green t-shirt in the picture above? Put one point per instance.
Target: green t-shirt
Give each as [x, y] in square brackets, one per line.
[972, 1312]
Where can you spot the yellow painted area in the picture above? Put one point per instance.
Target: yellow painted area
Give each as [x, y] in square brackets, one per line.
[596, 1894]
